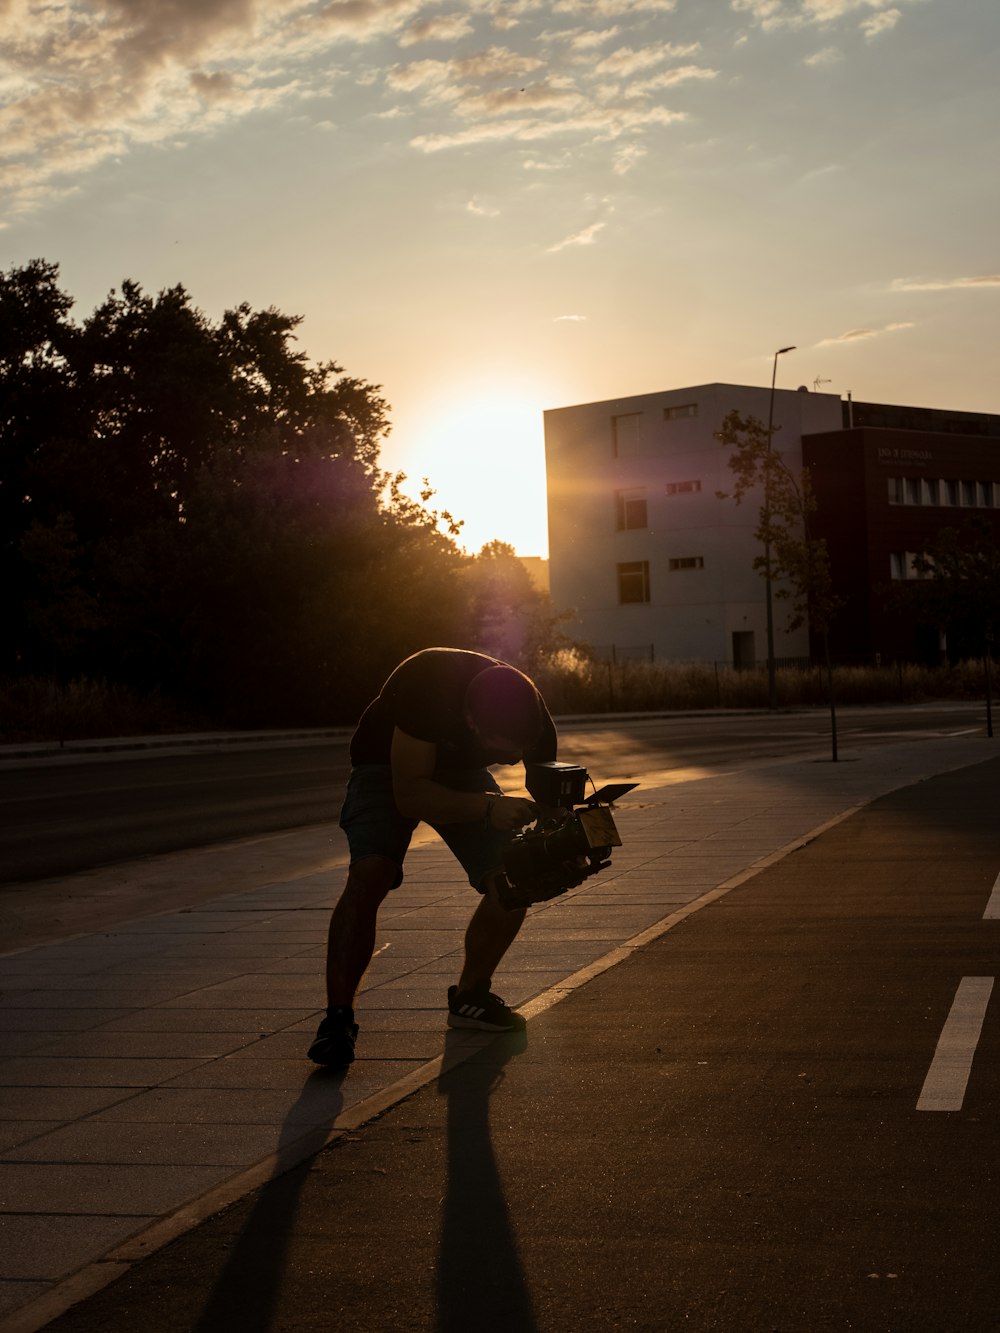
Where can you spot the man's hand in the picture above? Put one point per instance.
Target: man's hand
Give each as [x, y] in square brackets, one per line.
[512, 812]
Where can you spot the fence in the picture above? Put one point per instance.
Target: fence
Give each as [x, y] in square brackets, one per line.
[636, 684]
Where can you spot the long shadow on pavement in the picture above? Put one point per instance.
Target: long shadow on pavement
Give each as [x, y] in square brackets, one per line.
[245, 1294]
[481, 1282]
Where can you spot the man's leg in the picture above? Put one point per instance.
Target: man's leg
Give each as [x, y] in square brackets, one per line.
[471, 1004]
[351, 939]
[350, 945]
[490, 934]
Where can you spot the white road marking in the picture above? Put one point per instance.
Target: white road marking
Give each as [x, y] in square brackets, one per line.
[992, 912]
[946, 1081]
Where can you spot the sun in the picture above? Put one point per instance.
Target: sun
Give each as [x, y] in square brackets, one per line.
[483, 454]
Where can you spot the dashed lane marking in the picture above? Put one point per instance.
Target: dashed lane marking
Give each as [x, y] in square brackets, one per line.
[946, 1081]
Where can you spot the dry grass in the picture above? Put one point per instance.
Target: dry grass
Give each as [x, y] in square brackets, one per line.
[572, 683]
[36, 709]
[33, 709]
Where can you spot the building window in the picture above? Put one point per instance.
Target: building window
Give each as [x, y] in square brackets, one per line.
[625, 434]
[679, 411]
[901, 566]
[630, 509]
[911, 487]
[986, 494]
[952, 492]
[687, 562]
[895, 490]
[633, 582]
[932, 491]
[969, 494]
[682, 487]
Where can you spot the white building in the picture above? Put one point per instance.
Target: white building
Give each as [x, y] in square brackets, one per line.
[640, 545]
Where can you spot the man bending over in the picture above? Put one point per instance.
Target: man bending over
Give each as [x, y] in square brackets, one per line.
[422, 751]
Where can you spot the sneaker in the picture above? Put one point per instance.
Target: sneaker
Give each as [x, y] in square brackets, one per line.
[478, 1007]
[335, 1038]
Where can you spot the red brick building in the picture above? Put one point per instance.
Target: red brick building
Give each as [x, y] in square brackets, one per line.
[886, 485]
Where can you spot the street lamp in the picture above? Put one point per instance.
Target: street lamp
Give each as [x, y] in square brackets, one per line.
[772, 689]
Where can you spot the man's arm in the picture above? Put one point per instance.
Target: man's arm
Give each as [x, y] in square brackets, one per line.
[418, 796]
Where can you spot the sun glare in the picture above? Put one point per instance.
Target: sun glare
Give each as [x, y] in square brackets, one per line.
[484, 457]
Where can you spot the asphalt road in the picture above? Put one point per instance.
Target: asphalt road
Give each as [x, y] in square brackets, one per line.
[60, 817]
[725, 1134]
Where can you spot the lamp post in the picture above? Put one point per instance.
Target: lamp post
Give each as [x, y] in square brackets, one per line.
[772, 689]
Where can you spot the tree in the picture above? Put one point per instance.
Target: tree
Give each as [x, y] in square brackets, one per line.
[57, 608]
[509, 617]
[958, 587]
[797, 563]
[114, 433]
[193, 506]
[37, 341]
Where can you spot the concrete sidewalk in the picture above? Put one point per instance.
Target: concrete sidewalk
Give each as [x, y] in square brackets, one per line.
[155, 1072]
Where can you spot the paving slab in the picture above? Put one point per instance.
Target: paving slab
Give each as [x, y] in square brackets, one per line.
[149, 1098]
[108, 1188]
[39, 1248]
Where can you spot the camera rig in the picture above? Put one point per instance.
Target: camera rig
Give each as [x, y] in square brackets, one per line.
[565, 846]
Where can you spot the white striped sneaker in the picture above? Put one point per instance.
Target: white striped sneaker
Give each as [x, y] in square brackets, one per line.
[478, 1007]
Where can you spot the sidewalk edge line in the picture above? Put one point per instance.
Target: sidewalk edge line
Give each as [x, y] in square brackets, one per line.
[623, 951]
[90, 1279]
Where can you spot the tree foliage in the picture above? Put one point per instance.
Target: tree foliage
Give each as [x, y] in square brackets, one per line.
[508, 616]
[799, 563]
[194, 506]
[958, 586]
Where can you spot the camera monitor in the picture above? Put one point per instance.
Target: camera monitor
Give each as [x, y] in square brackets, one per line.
[565, 785]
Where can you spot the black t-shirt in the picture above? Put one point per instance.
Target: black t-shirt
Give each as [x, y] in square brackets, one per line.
[424, 697]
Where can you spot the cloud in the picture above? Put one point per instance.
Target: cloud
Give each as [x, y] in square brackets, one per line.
[495, 63]
[613, 8]
[585, 237]
[570, 319]
[859, 335]
[944, 284]
[213, 87]
[669, 78]
[626, 61]
[459, 83]
[882, 22]
[481, 210]
[627, 157]
[773, 14]
[85, 82]
[820, 173]
[827, 11]
[532, 97]
[361, 20]
[603, 124]
[589, 40]
[828, 56]
[764, 12]
[439, 28]
[534, 164]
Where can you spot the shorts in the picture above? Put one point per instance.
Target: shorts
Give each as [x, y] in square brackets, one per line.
[374, 826]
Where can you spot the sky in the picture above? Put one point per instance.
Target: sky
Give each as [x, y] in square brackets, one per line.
[494, 207]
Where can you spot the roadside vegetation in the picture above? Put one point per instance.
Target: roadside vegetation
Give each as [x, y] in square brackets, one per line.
[194, 524]
[36, 709]
[573, 683]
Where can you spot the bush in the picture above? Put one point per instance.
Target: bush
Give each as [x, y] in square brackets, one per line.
[35, 709]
